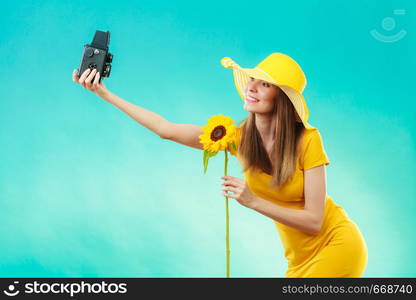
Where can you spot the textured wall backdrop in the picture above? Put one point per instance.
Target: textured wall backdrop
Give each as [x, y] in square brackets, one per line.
[86, 191]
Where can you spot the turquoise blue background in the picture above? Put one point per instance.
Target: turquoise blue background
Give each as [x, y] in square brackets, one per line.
[87, 191]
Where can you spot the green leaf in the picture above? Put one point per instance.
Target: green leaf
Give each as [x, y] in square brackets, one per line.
[207, 156]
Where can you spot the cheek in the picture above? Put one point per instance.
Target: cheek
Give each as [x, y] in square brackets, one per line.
[271, 96]
[267, 96]
[271, 93]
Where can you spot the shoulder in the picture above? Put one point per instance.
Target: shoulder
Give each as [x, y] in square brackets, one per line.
[311, 131]
[310, 135]
[313, 153]
[311, 141]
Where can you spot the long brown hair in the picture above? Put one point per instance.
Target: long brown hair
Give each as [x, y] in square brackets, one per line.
[286, 147]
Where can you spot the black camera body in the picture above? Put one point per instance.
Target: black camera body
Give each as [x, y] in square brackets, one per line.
[96, 55]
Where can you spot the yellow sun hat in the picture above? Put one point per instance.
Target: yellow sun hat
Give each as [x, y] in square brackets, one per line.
[280, 70]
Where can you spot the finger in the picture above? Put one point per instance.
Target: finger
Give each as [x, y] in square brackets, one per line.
[229, 188]
[228, 195]
[96, 78]
[90, 77]
[84, 75]
[229, 183]
[75, 76]
[231, 179]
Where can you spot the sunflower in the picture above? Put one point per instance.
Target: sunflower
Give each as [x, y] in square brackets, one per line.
[219, 134]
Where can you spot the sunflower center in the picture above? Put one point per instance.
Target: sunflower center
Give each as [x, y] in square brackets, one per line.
[218, 133]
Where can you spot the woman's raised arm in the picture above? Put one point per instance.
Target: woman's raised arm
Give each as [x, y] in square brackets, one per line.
[185, 134]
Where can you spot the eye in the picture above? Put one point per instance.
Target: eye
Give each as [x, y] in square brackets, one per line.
[251, 78]
[266, 84]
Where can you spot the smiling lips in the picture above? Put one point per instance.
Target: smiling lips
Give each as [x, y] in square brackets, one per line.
[251, 99]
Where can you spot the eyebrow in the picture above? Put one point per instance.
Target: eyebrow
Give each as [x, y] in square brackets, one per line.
[258, 79]
[262, 81]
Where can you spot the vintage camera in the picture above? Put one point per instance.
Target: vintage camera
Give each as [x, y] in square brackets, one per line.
[96, 55]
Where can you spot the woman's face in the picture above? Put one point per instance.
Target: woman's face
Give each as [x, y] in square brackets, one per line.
[260, 96]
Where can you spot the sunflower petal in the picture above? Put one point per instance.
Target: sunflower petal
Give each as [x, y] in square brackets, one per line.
[213, 143]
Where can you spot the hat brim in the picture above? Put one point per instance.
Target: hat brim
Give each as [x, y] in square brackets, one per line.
[242, 77]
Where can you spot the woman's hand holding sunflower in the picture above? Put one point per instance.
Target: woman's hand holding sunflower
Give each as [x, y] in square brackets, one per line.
[242, 192]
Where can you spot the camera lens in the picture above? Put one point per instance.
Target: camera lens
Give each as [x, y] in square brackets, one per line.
[89, 52]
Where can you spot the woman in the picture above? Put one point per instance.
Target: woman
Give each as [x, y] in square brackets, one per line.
[284, 166]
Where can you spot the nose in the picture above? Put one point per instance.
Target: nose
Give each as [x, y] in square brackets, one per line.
[251, 85]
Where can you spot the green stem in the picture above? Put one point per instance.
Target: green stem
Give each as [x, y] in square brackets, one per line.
[227, 226]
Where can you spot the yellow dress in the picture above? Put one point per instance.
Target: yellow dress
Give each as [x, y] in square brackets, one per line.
[339, 250]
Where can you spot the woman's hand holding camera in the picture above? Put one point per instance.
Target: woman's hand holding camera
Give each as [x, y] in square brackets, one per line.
[89, 81]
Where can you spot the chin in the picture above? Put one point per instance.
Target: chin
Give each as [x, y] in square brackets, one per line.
[251, 109]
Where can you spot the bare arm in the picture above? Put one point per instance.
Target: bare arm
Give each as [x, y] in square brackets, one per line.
[301, 219]
[144, 117]
[309, 219]
[185, 134]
